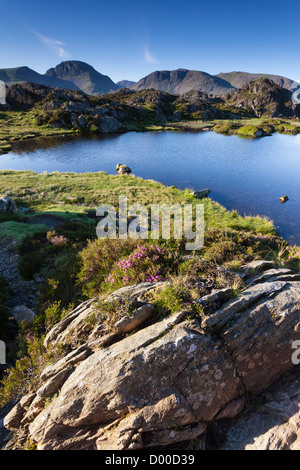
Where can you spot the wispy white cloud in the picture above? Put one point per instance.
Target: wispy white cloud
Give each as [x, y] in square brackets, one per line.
[58, 47]
[148, 56]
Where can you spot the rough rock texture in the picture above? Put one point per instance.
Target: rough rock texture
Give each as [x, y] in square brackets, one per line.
[21, 313]
[122, 169]
[168, 382]
[272, 424]
[78, 326]
[7, 205]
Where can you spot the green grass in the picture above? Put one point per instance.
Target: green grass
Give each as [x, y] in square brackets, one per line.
[244, 127]
[72, 195]
[19, 231]
[21, 125]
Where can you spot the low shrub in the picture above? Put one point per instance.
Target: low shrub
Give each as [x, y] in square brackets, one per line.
[147, 263]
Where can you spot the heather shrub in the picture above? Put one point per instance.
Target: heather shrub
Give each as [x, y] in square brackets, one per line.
[98, 258]
[147, 263]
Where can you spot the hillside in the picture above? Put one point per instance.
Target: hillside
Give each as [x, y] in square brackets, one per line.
[25, 74]
[239, 79]
[182, 80]
[84, 76]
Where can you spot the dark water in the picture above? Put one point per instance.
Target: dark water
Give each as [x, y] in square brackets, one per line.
[243, 174]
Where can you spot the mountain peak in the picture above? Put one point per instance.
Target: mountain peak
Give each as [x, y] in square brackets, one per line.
[84, 76]
[183, 80]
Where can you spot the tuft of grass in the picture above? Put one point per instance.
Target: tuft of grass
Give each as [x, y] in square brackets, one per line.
[19, 231]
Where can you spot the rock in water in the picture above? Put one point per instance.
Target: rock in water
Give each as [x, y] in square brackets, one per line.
[201, 194]
[122, 169]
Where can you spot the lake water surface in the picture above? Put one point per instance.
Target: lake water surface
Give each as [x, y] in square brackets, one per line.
[249, 175]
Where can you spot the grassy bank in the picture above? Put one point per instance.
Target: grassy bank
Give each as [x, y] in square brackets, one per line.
[72, 194]
[16, 126]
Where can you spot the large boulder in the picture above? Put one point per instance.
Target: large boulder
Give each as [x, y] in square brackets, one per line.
[109, 125]
[22, 313]
[122, 169]
[169, 381]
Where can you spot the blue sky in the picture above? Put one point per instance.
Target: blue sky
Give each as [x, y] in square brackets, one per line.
[128, 39]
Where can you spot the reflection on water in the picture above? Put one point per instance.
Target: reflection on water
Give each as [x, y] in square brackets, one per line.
[244, 174]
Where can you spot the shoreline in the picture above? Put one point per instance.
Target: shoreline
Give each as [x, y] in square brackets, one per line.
[249, 128]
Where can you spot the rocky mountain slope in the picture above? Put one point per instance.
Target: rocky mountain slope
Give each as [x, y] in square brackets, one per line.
[172, 379]
[239, 79]
[83, 76]
[25, 74]
[182, 80]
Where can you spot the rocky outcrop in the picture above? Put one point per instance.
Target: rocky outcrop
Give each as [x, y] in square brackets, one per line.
[168, 382]
[109, 125]
[272, 423]
[264, 98]
[25, 96]
[7, 205]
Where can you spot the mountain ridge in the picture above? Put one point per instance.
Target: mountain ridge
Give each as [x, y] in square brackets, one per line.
[239, 79]
[78, 75]
[12, 76]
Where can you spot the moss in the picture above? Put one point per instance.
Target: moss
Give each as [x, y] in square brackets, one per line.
[251, 131]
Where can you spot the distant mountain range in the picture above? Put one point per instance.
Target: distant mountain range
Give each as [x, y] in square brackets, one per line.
[79, 75]
[125, 83]
[25, 74]
[72, 75]
[239, 79]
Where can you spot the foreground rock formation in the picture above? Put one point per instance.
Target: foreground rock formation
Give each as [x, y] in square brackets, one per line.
[172, 379]
[273, 424]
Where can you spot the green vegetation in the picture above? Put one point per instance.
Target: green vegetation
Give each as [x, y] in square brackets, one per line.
[77, 266]
[21, 125]
[257, 127]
